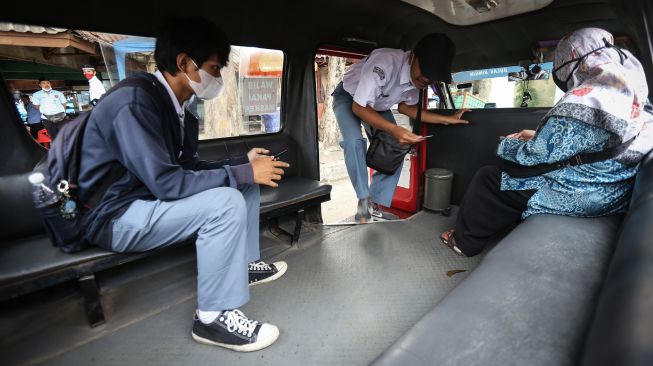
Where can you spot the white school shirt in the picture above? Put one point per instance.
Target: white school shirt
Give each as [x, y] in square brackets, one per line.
[50, 102]
[381, 80]
[179, 108]
[95, 88]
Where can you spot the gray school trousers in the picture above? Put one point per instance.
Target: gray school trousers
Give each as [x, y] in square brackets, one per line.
[226, 222]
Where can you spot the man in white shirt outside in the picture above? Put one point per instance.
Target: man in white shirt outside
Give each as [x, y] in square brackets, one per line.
[52, 105]
[95, 87]
[368, 90]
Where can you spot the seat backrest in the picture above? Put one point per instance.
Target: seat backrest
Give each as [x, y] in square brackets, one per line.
[622, 328]
[222, 149]
[20, 153]
[465, 149]
[18, 217]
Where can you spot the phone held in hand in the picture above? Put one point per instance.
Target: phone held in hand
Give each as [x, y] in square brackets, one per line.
[277, 155]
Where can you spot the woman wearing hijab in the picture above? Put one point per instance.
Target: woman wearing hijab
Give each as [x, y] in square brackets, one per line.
[584, 155]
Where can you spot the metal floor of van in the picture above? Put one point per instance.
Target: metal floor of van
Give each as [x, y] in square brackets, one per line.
[350, 292]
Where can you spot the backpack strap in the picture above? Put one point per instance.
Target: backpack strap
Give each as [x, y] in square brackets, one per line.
[417, 125]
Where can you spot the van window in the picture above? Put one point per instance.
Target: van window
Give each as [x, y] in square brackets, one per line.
[505, 87]
[249, 104]
[251, 101]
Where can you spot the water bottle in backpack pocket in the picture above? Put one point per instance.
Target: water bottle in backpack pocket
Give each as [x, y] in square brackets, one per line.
[59, 213]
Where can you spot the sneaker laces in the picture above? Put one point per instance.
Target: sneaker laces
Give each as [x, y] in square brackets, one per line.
[260, 266]
[237, 321]
[374, 209]
[377, 211]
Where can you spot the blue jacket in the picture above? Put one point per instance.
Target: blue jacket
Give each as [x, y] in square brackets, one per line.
[134, 131]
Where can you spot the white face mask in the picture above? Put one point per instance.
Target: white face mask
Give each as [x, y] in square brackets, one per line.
[46, 89]
[209, 86]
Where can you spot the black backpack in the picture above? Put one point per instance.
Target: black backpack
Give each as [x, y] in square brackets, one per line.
[63, 219]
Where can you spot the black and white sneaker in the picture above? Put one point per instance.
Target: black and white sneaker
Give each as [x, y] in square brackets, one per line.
[261, 272]
[232, 330]
[378, 213]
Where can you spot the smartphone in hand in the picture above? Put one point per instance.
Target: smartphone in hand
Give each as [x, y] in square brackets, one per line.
[277, 155]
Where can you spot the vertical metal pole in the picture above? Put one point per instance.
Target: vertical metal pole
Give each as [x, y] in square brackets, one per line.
[647, 30]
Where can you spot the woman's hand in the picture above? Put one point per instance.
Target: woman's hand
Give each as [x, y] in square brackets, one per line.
[523, 135]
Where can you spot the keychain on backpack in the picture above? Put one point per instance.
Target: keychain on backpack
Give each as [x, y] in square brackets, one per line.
[68, 208]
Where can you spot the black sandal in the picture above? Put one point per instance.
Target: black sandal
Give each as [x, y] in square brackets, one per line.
[449, 240]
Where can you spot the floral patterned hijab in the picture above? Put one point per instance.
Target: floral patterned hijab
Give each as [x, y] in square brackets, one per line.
[607, 89]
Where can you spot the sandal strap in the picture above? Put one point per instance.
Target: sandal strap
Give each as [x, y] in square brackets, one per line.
[450, 241]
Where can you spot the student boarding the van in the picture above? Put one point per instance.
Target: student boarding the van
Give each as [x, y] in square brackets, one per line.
[369, 89]
[164, 194]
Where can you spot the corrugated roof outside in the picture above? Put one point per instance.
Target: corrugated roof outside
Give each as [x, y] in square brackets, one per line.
[100, 37]
[23, 28]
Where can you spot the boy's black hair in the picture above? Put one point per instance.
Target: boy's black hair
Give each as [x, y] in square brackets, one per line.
[198, 37]
[44, 78]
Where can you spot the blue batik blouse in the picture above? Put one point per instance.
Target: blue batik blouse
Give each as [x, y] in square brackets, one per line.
[596, 189]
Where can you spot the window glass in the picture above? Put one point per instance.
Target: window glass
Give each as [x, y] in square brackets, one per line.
[250, 103]
[505, 87]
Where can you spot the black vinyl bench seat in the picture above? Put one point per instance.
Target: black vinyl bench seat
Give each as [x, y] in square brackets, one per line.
[32, 263]
[293, 195]
[556, 291]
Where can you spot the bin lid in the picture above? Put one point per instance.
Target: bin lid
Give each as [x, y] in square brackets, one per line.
[439, 173]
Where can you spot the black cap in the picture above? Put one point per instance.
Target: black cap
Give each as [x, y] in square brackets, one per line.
[44, 78]
[88, 67]
[435, 53]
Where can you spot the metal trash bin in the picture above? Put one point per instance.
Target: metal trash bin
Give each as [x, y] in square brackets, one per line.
[437, 190]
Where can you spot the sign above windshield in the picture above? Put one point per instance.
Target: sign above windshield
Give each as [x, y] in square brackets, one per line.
[514, 73]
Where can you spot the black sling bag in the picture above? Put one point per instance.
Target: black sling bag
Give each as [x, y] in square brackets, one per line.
[523, 171]
[385, 154]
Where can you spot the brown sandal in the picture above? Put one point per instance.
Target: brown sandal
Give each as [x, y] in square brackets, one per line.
[449, 240]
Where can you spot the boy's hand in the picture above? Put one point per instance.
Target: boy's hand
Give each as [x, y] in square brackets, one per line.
[406, 137]
[257, 152]
[267, 171]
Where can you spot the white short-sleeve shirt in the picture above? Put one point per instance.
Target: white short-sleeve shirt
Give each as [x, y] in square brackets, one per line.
[95, 88]
[50, 102]
[381, 80]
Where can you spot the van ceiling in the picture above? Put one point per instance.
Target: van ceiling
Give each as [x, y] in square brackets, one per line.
[296, 25]
[468, 12]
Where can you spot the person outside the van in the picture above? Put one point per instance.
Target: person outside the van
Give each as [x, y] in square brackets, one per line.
[603, 107]
[166, 194]
[95, 87]
[33, 117]
[52, 105]
[369, 89]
